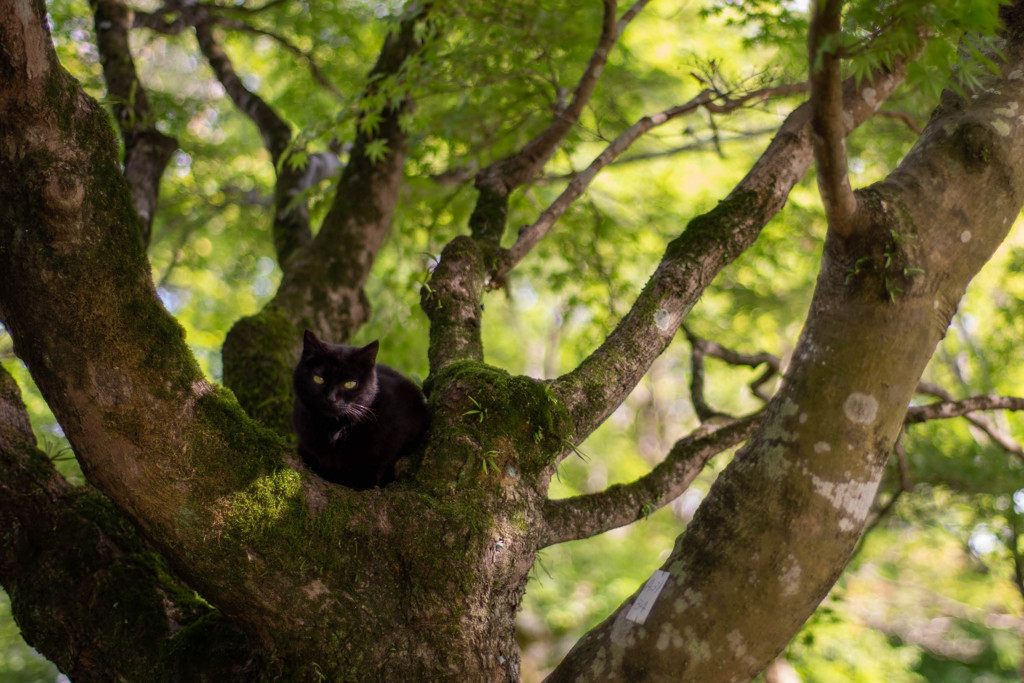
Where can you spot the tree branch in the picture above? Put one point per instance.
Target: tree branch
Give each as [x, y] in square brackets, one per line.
[530, 236]
[505, 175]
[147, 151]
[77, 571]
[588, 515]
[691, 261]
[946, 409]
[704, 347]
[903, 116]
[275, 131]
[827, 116]
[314, 68]
[291, 218]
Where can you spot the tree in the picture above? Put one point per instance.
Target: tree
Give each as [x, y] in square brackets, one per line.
[193, 489]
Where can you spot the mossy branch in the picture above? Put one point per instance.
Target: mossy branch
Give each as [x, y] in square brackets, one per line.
[584, 516]
[710, 242]
[67, 551]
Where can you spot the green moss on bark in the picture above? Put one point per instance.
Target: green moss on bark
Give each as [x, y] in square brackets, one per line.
[259, 355]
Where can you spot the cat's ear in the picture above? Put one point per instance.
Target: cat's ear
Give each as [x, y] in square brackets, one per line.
[311, 345]
[369, 352]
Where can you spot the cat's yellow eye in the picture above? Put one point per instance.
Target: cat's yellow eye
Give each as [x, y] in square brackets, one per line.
[351, 384]
[317, 379]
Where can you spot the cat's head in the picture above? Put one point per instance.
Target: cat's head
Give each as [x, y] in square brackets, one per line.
[335, 380]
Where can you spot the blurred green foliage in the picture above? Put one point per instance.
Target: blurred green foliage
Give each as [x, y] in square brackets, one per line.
[930, 595]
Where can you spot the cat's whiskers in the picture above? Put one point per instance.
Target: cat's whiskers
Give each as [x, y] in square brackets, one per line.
[361, 413]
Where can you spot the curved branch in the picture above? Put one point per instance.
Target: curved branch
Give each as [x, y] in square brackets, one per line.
[827, 116]
[147, 151]
[505, 175]
[588, 515]
[314, 68]
[275, 131]
[291, 218]
[773, 365]
[530, 236]
[710, 242]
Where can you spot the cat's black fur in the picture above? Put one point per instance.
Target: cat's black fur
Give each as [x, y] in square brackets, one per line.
[353, 436]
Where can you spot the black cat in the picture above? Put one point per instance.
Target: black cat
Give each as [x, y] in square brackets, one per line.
[354, 418]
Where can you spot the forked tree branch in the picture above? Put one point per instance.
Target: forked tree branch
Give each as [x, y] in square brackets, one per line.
[827, 116]
[505, 175]
[291, 228]
[591, 514]
[147, 151]
[1002, 439]
[773, 366]
[275, 131]
[452, 297]
[530, 236]
[335, 265]
[710, 242]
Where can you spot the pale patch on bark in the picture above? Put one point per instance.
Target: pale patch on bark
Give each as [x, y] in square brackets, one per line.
[1001, 127]
[738, 643]
[597, 667]
[860, 408]
[621, 635]
[870, 97]
[689, 598]
[1009, 111]
[315, 589]
[790, 578]
[789, 407]
[803, 418]
[851, 498]
[822, 447]
[669, 636]
[965, 237]
[698, 649]
[664, 320]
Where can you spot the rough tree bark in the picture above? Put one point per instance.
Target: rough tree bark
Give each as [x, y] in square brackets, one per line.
[422, 580]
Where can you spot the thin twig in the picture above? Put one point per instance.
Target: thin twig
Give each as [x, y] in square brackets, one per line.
[901, 116]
